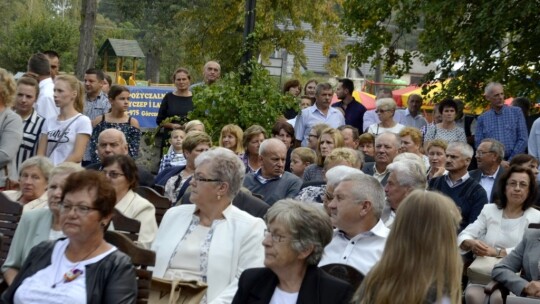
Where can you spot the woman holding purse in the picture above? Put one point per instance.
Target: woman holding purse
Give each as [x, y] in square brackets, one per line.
[499, 228]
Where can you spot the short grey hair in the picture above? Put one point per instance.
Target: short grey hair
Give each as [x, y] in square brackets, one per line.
[496, 147]
[308, 225]
[224, 166]
[386, 103]
[116, 132]
[367, 188]
[41, 162]
[491, 85]
[336, 174]
[409, 174]
[323, 86]
[411, 157]
[267, 142]
[465, 149]
[397, 139]
[65, 168]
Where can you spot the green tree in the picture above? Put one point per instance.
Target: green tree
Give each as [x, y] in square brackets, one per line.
[229, 101]
[29, 35]
[494, 40]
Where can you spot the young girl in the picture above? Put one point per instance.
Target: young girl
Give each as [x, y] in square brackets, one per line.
[300, 159]
[175, 156]
[119, 119]
[64, 138]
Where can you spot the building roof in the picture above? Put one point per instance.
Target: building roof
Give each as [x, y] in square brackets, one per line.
[121, 48]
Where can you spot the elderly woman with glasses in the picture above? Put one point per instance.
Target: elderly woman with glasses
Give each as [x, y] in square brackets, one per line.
[42, 224]
[294, 243]
[210, 241]
[83, 267]
[386, 108]
[124, 177]
[33, 179]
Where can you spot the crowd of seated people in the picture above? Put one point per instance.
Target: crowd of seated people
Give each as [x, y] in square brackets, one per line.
[257, 217]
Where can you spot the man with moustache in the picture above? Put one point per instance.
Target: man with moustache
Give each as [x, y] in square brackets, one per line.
[320, 112]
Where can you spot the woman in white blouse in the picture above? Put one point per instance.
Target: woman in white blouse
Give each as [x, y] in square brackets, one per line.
[500, 226]
[386, 109]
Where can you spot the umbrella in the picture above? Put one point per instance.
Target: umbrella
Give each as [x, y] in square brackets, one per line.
[364, 98]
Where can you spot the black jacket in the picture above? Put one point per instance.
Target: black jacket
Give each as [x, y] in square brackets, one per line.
[111, 280]
[257, 285]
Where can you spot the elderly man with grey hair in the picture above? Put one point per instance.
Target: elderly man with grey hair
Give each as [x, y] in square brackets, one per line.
[113, 142]
[489, 156]
[271, 181]
[405, 176]
[386, 148]
[360, 234]
[468, 195]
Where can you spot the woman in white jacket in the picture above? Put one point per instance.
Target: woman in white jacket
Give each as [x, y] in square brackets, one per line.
[500, 226]
[210, 241]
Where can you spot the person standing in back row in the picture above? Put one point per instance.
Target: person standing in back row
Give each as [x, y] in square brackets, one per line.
[503, 123]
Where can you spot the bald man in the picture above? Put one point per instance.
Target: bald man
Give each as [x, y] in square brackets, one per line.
[211, 73]
[113, 142]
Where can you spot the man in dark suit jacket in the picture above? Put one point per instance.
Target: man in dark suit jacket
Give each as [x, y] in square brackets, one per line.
[489, 155]
[257, 286]
[386, 148]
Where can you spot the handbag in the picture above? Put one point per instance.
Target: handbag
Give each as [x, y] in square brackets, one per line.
[8, 183]
[479, 272]
[163, 291]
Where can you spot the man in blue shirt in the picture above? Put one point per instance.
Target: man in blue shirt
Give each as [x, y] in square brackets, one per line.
[320, 112]
[503, 123]
[354, 111]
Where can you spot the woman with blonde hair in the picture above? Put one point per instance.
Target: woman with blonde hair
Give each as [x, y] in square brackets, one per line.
[329, 140]
[411, 141]
[11, 127]
[64, 138]
[386, 109]
[231, 138]
[410, 272]
[252, 140]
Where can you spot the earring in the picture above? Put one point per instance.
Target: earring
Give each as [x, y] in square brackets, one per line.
[219, 197]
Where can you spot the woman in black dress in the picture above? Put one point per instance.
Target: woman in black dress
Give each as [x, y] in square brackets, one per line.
[178, 103]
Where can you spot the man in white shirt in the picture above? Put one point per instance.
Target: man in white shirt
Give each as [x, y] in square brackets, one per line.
[411, 116]
[360, 234]
[40, 68]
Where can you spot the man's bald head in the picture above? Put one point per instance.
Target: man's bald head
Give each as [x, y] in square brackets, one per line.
[211, 72]
[111, 142]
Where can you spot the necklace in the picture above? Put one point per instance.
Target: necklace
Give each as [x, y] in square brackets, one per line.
[73, 273]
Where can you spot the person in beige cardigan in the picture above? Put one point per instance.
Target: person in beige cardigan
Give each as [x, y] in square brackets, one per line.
[122, 172]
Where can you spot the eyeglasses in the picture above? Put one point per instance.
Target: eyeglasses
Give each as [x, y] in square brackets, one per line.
[275, 237]
[312, 135]
[198, 178]
[79, 209]
[516, 184]
[381, 111]
[481, 153]
[112, 174]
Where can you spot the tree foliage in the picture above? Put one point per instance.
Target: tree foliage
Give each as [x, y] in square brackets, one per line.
[229, 101]
[29, 35]
[494, 40]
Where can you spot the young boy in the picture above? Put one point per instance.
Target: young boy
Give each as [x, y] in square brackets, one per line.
[175, 156]
[300, 159]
